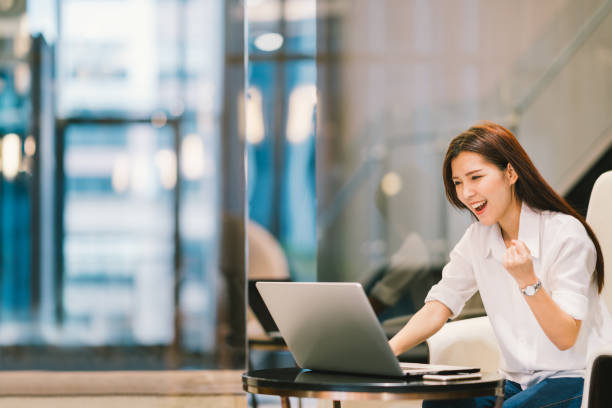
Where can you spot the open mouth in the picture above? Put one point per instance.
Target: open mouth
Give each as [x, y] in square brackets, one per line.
[479, 207]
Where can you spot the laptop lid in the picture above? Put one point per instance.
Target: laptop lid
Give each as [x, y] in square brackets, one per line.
[330, 327]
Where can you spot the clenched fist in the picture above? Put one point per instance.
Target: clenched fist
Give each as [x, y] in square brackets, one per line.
[517, 261]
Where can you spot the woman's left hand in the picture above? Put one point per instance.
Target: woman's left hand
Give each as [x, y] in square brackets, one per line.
[517, 261]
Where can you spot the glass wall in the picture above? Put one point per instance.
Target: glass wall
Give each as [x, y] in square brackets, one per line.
[119, 144]
[280, 132]
[398, 80]
[20, 125]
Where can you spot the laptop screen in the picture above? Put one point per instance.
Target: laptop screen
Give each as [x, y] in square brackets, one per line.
[259, 307]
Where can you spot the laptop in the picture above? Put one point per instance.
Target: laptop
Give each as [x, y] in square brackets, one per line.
[259, 308]
[332, 327]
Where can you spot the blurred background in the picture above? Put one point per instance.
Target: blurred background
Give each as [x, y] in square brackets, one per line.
[121, 157]
[397, 80]
[157, 154]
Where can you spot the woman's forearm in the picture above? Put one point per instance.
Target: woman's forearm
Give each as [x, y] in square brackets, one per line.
[427, 321]
[560, 328]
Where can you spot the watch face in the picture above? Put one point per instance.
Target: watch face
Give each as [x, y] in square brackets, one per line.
[530, 291]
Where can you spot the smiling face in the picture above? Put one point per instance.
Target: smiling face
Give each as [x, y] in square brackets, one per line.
[485, 189]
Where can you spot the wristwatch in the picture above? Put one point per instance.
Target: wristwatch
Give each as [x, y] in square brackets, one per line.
[531, 290]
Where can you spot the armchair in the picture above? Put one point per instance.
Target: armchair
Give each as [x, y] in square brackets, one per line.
[468, 342]
[599, 217]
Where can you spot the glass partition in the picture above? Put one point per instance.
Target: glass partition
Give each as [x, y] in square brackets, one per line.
[122, 157]
[397, 81]
[280, 133]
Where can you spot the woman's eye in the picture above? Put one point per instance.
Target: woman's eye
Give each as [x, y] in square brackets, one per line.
[476, 177]
[457, 183]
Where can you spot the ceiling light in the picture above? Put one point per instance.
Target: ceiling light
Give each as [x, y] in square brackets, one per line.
[269, 41]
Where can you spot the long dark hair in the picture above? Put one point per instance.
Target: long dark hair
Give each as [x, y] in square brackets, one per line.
[499, 146]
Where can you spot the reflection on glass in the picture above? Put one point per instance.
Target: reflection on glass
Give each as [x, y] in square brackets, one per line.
[118, 236]
[391, 183]
[29, 146]
[255, 129]
[110, 221]
[16, 280]
[395, 89]
[11, 155]
[269, 41]
[193, 163]
[165, 160]
[281, 111]
[300, 118]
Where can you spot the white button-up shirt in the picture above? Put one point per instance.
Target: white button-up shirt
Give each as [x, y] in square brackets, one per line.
[564, 258]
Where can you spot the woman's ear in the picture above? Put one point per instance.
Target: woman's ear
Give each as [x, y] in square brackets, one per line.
[511, 174]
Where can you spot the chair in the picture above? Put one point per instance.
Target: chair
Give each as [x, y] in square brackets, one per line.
[597, 391]
[599, 217]
[468, 342]
[266, 261]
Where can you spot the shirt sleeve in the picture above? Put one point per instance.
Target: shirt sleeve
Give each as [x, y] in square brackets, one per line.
[458, 283]
[571, 272]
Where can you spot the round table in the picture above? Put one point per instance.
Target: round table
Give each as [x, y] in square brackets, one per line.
[295, 382]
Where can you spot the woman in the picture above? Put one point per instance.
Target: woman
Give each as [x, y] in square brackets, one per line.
[538, 267]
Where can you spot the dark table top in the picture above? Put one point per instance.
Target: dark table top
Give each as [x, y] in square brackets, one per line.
[305, 383]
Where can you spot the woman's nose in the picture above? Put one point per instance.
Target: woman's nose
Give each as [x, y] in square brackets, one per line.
[468, 192]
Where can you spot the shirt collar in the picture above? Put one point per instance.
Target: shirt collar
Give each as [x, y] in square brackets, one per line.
[529, 233]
